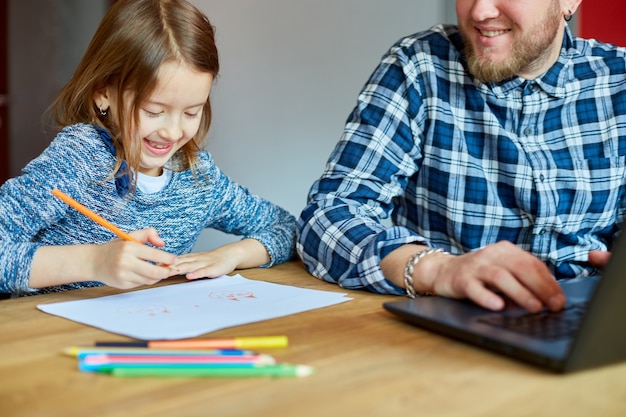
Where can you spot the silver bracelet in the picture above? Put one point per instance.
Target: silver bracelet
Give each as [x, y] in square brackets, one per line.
[408, 272]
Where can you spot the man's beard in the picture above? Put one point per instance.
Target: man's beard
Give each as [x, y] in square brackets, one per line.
[527, 51]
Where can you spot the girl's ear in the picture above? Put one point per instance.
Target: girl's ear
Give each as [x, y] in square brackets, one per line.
[101, 99]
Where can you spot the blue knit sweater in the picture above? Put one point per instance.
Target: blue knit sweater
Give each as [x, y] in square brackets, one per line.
[78, 163]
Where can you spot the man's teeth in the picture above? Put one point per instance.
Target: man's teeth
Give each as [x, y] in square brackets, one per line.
[490, 33]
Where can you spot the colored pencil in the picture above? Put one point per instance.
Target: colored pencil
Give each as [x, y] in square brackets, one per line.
[78, 352]
[281, 370]
[261, 359]
[106, 366]
[216, 343]
[93, 216]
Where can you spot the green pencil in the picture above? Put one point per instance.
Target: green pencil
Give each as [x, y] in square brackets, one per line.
[268, 370]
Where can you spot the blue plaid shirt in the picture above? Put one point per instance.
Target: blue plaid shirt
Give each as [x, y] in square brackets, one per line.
[459, 165]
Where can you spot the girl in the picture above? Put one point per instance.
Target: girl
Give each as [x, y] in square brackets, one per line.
[132, 120]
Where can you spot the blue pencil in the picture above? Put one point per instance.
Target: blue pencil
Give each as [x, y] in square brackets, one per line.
[78, 352]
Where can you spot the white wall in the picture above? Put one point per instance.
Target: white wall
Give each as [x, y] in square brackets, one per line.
[290, 74]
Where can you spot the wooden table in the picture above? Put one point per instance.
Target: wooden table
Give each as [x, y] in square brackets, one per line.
[367, 363]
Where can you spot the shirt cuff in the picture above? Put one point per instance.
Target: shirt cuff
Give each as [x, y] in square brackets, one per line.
[381, 246]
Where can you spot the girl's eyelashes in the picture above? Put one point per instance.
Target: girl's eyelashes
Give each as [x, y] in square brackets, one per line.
[151, 113]
[156, 114]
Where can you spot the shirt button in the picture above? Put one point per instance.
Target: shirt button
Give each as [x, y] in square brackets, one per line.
[527, 131]
[542, 178]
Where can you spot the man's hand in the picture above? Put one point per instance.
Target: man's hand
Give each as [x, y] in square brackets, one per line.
[599, 258]
[483, 276]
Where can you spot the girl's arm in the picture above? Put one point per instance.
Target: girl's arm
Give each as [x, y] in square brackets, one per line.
[117, 263]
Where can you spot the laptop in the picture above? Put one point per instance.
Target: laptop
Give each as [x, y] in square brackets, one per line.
[588, 333]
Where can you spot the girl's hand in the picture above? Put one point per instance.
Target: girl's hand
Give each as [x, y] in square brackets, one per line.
[118, 263]
[247, 253]
[123, 264]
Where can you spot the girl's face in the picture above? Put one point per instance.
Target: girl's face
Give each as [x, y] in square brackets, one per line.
[170, 117]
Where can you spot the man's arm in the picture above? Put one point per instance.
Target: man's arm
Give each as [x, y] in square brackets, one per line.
[481, 276]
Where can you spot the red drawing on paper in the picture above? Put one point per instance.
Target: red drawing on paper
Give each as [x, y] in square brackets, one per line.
[231, 296]
[151, 311]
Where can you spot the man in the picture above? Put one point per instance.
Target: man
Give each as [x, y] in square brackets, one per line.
[497, 148]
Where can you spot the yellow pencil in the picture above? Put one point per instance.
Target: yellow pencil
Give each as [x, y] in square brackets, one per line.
[250, 342]
[93, 216]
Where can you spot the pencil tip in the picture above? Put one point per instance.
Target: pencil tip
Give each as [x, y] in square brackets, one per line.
[267, 359]
[304, 370]
[69, 351]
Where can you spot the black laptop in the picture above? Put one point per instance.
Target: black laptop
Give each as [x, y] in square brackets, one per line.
[589, 332]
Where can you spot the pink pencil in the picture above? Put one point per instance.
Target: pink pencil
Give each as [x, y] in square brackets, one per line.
[260, 359]
[105, 363]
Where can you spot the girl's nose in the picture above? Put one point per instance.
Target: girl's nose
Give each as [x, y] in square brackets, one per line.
[172, 131]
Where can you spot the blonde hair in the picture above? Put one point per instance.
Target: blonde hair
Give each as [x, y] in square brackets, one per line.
[134, 38]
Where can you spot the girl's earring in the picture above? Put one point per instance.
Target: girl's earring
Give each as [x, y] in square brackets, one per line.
[103, 113]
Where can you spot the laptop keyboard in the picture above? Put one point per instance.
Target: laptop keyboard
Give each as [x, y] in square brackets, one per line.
[543, 325]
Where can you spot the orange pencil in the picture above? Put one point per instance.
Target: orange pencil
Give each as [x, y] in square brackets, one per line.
[93, 216]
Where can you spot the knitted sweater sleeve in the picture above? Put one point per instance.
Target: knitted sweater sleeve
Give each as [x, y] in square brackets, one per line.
[251, 216]
[28, 207]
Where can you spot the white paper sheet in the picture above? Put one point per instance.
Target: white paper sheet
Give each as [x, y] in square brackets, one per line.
[192, 308]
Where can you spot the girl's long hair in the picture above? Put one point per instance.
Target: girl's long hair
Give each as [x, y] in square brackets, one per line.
[134, 38]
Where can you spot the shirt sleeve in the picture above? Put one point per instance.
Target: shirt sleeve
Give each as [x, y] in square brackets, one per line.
[341, 232]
